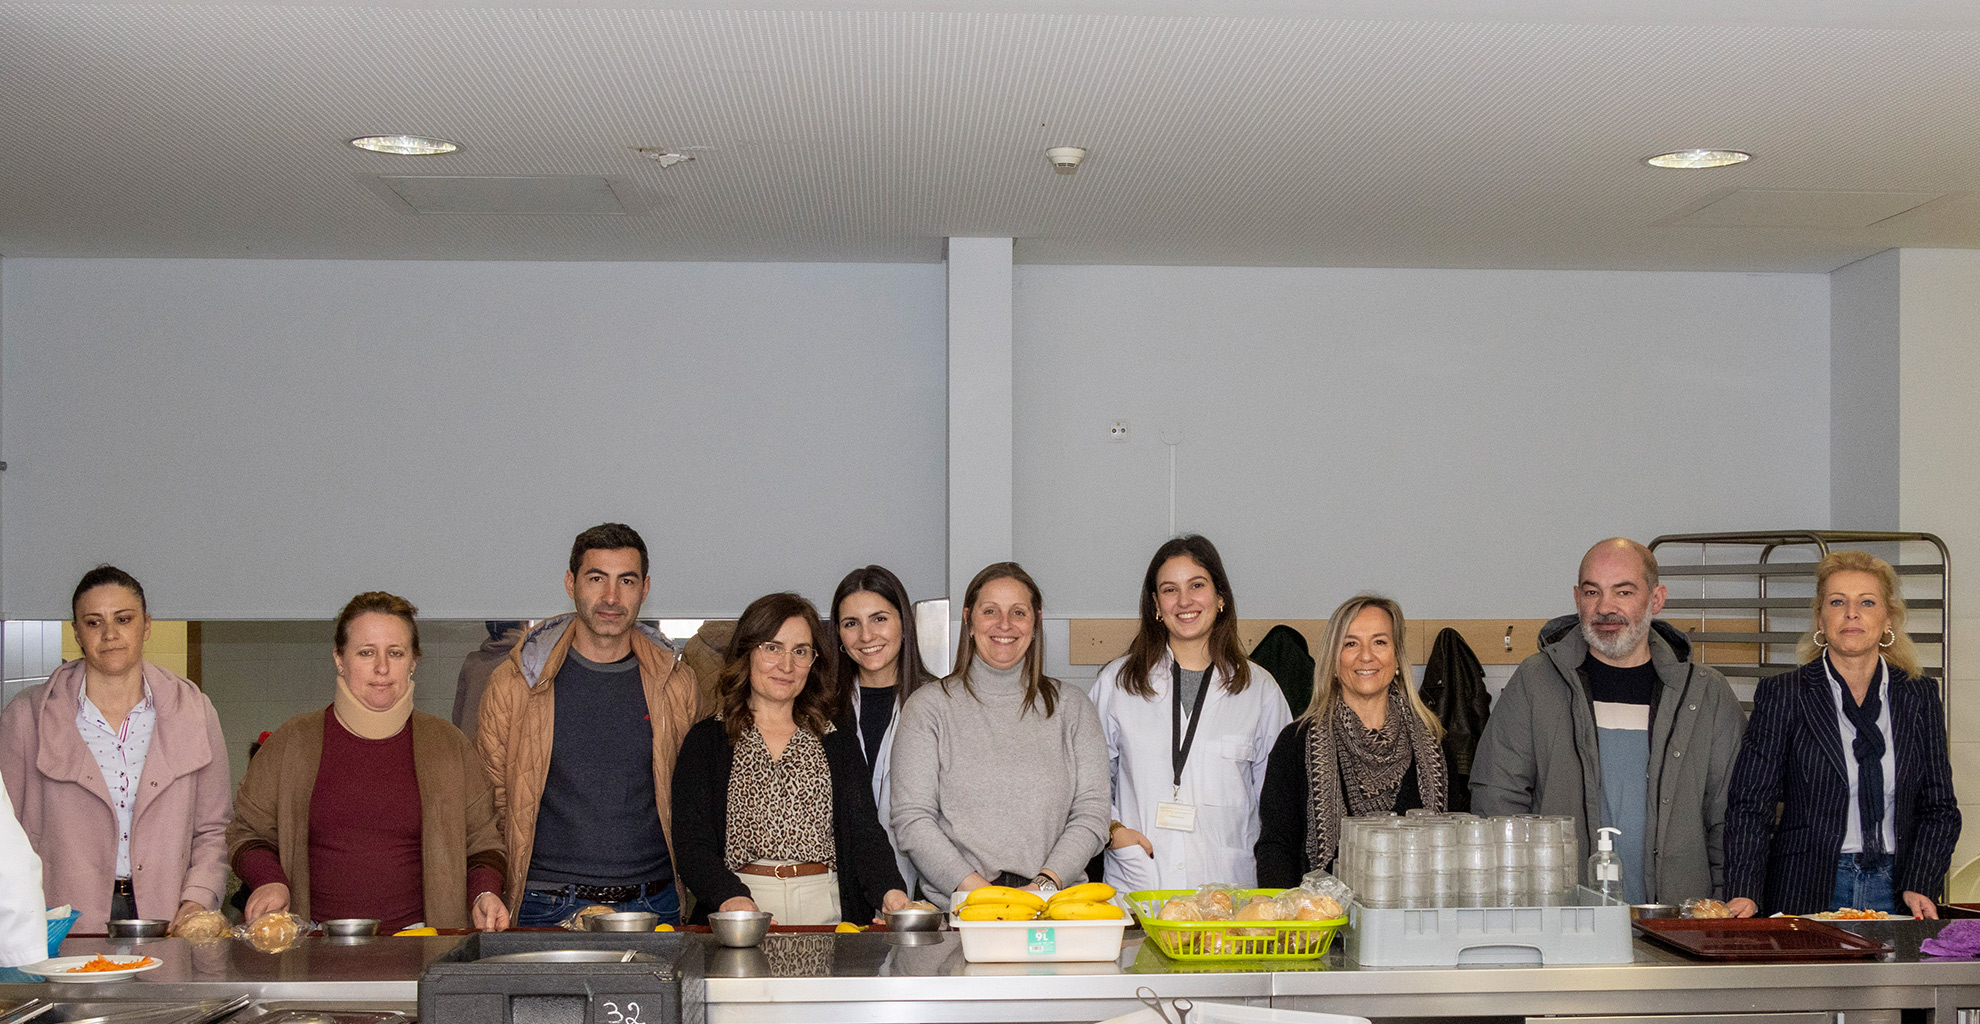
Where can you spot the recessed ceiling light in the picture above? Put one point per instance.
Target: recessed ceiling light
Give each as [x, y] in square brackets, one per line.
[405, 145]
[1698, 159]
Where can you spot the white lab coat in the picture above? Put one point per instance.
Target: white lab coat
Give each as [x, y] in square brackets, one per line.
[1224, 775]
[882, 792]
[23, 918]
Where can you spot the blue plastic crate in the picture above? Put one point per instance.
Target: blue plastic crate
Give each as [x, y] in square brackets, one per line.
[58, 929]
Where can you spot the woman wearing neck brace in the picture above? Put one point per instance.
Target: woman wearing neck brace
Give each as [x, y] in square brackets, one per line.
[368, 808]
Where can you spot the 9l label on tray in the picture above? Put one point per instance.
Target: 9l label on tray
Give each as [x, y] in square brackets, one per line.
[616, 1010]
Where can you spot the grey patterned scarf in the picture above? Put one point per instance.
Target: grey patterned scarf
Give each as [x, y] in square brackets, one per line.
[1369, 764]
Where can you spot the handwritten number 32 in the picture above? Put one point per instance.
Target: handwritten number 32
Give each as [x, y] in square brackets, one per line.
[614, 1016]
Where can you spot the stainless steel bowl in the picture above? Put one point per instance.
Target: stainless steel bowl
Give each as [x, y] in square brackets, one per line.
[738, 963]
[139, 928]
[1653, 911]
[623, 921]
[348, 927]
[739, 929]
[914, 919]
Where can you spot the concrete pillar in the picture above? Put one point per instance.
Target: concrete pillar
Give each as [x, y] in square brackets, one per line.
[979, 409]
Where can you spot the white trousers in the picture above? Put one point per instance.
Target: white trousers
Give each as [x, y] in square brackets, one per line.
[812, 899]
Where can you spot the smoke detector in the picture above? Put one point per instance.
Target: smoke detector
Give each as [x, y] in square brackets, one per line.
[1065, 159]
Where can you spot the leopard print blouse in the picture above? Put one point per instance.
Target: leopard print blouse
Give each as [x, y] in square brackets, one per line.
[780, 808]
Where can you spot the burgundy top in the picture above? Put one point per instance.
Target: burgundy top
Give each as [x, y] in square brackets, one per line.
[364, 835]
[364, 830]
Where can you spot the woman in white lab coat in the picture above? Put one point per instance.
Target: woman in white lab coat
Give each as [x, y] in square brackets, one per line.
[879, 651]
[1184, 693]
[23, 926]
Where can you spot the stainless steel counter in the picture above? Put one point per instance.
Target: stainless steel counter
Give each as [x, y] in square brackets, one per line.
[382, 972]
[872, 977]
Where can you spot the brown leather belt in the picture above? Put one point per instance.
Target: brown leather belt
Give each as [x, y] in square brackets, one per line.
[784, 870]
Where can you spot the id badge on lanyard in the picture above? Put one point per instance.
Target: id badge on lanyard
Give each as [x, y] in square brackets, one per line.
[1173, 814]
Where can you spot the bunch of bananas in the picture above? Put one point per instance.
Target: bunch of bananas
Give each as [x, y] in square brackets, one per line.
[1086, 902]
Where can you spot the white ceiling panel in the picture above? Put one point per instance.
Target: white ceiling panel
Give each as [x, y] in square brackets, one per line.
[1492, 134]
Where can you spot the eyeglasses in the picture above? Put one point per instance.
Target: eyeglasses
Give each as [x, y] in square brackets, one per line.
[804, 654]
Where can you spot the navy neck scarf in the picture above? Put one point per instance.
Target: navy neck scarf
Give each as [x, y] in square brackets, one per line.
[1869, 751]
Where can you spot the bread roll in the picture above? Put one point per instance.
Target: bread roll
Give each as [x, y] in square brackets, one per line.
[204, 925]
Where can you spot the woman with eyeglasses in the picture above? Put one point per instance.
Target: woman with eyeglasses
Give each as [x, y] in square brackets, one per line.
[772, 809]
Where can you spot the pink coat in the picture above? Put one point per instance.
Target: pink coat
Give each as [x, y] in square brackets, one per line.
[179, 828]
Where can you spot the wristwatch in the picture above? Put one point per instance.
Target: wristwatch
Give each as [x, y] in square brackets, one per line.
[1044, 881]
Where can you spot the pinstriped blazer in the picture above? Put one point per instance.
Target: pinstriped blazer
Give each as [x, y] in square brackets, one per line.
[1793, 757]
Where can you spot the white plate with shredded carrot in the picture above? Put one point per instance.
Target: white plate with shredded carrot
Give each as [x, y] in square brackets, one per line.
[92, 968]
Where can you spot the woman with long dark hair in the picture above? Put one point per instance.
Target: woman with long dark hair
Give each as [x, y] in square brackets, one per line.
[1189, 724]
[771, 806]
[878, 650]
[1366, 745]
[999, 772]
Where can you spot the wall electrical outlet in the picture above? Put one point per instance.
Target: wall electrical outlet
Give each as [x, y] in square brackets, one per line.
[1117, 430]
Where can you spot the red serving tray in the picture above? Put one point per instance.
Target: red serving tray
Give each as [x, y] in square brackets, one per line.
[1759, 938]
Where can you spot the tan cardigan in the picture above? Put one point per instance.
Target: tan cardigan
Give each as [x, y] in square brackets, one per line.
[518, 724]
[456, 810]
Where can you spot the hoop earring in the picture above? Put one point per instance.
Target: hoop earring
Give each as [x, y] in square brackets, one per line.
[1892, 633]
[1819, 640]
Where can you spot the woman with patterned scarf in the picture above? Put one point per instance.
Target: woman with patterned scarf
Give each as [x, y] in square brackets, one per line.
[1365, 745]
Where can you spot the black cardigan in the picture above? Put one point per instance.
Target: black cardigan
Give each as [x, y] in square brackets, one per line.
[701, 815]
[1282, 804]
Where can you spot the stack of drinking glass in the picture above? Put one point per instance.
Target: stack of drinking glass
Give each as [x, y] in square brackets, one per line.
[1459, 860]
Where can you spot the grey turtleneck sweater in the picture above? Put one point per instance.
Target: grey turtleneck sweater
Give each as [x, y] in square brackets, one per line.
[979, 786]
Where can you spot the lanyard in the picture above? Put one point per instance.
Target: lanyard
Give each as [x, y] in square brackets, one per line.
[1184, 740]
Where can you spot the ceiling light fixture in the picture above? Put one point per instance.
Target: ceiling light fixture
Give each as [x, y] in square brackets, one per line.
[1698, 159]
[405, 145]
[662, 156]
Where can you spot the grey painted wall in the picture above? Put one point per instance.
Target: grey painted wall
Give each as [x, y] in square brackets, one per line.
[260, 439]
[263, 438]
[1864, 394]
[1453, 438]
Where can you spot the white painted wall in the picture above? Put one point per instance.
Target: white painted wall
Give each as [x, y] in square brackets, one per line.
[1453, 438]
[263, 438]
[1939, 473]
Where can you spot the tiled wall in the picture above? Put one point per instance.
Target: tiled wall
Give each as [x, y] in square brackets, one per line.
[33, 649]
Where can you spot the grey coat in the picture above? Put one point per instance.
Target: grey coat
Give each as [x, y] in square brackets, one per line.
[1539, 755]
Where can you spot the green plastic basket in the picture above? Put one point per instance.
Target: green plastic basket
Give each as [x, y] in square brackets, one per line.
[1229, 940]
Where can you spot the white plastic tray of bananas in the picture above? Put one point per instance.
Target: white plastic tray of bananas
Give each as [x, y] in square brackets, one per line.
[999, 924]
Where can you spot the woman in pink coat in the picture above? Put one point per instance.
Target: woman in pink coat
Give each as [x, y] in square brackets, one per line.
[118, 771]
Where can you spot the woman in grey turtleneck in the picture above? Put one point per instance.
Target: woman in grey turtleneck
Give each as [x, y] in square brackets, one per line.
[999, 773]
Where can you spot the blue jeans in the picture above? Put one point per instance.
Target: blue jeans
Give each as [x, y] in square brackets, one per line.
[548, 908]
[1863, 881]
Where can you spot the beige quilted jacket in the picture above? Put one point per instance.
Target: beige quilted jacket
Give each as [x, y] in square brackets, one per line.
[518, 720]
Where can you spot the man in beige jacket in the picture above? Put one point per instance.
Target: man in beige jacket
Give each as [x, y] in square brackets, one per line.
[579, 727]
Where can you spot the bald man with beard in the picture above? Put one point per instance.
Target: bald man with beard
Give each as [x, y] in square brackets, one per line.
[1611, 723]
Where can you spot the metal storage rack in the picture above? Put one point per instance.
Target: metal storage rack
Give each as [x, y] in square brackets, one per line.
[1775, 595]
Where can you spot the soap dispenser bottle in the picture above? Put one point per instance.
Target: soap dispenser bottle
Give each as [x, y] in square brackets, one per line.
[1604, 867]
